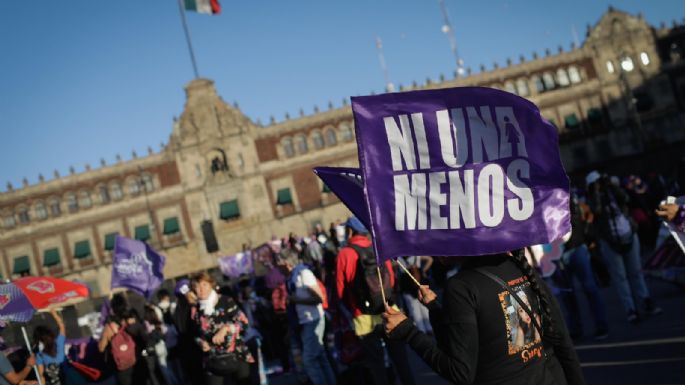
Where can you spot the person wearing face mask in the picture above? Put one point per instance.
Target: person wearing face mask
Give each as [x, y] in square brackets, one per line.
[50, 357]
[220, 330]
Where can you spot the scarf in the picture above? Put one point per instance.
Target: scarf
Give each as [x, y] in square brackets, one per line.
[207, 305]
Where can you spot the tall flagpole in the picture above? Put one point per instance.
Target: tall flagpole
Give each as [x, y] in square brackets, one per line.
[185, 29]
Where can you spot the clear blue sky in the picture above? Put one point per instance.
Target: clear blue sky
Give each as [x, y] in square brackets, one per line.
[82, 80]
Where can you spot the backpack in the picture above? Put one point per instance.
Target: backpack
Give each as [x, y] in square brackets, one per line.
[324, 294]
[123, 350]
[366, 288]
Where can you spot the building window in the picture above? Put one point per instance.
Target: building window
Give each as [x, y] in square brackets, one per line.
[627, 64]
[301, 144]
[562, 77]
[317, 140]
[104, 194]
[571, 121]
[610, 67]
[22, 265]
[148, 183]
[539, 85]
[283, 197]
[72, 202]
[110, 240]
[133, 186]
[41, 210]
[10, 221]
[116, 191]
[229, 210]
[548, 79]
[84, 199]
[24, 216]
[171, 226]
[509, 87]
[142, 232]
[574, 74]
[331, 138]
[55, 207]
[644, 58]
[522, 87]
[82, 249]
[51, 257]
[288, 148]
[346, 132]
[594, 115]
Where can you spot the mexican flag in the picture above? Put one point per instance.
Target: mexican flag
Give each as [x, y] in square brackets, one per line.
[211, 7]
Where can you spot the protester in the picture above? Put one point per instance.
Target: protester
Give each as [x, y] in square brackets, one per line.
[619, 245]
[10, 376]
[575, 263]
[306, 296]
[672, 212]
[51, 357]
[190, 354]
[125, 340]
[221, 328]
[159, 358]
[351, 271]
[481, 336]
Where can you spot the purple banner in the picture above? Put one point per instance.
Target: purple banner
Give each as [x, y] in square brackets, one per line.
[348, 185]
[461, 171]
[236, 265]
[14, 306]
[136, 266]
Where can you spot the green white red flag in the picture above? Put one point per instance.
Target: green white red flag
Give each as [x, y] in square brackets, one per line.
[211, 7]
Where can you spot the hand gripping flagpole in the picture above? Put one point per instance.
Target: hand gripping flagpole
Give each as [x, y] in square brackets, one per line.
[28, 346]
[187, 33]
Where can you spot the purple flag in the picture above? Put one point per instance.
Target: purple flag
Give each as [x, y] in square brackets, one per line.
[236, 265]
[460, 171]
[14, 305]
[347, 184]
[136, 266]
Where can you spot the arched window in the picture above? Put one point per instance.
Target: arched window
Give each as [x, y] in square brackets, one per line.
[116, 192]
[147, 182]
[509, 87]
[610, 67]
[522, 87]
[331, 137]
[288, 148]
[301, 144]
[103, 193]
[24, 216]
[627, 64]
[562, 77]
[574, 74]
[539, 85]
[317, 140]
[346, 132]
[548, 79]
[41, 210]
[134, 186]
[644, 58]
[55, 207]
[84, 199]
[72, 202]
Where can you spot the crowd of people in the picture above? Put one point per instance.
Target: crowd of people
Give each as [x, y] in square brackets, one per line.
[327, 313]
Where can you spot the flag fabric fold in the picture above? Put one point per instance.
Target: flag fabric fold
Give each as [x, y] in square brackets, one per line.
[236, 265]
[136, 266]
[348, 185]
[211, 7]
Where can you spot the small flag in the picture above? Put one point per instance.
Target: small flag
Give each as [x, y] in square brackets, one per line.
[136, 266]
[211, 7]
[236, 265]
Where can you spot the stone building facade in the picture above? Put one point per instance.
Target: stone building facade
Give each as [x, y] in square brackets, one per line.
[620, 94]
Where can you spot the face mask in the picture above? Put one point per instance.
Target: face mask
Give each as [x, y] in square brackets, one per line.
[41, 346]
[164, 305]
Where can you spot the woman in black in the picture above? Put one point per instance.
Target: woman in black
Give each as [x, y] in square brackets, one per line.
[479, 329]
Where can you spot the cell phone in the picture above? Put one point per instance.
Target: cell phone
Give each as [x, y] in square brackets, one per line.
[670, 200]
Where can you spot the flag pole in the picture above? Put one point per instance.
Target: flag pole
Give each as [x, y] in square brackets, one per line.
[187, 33]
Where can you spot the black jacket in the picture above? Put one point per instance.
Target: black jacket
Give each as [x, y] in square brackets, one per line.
[483, 337]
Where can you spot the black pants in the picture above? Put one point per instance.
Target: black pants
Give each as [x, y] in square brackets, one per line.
[374, 360]
[240, 377]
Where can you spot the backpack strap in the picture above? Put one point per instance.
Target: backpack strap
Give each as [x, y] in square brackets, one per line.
[523, 305]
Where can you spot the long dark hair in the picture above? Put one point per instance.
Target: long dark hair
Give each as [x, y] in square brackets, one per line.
[549, 331]
[47, 336]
